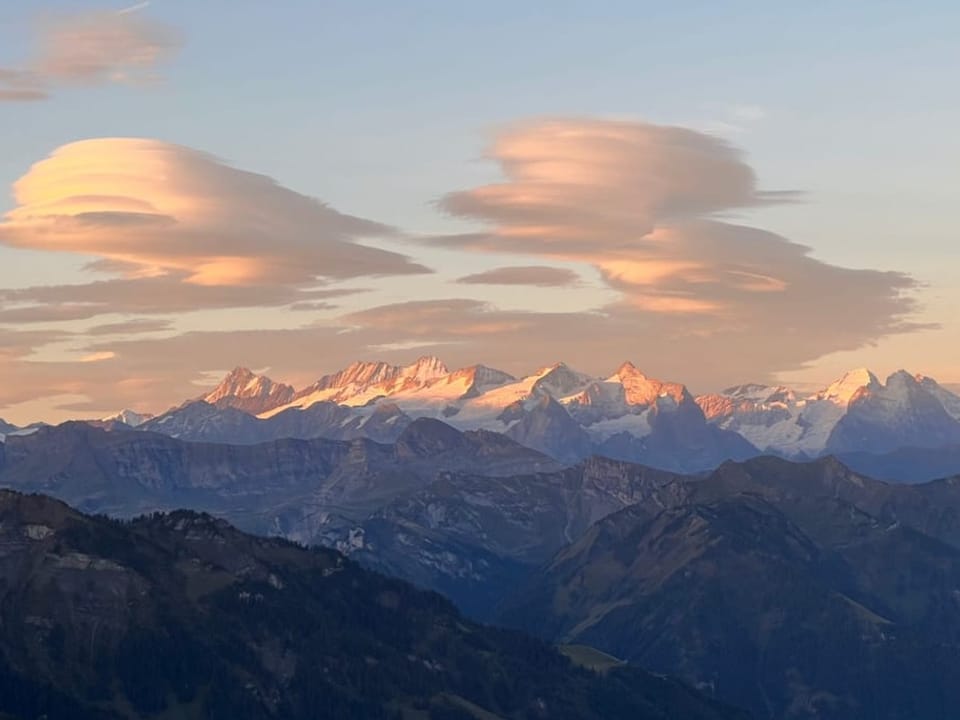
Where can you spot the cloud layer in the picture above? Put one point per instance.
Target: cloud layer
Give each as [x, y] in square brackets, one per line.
[92, 48]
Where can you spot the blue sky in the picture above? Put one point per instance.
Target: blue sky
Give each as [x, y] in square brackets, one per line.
[381, 108]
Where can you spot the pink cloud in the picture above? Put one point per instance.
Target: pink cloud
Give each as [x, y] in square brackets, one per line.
[90, 48]
[154, 209]
[539, 275]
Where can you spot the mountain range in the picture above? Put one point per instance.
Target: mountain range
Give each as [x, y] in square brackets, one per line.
[794, 590]
[570, 415]
[857, 413]
[797, 590]
[619, 513]
[180, 615]
[465, 513]
[122, 472]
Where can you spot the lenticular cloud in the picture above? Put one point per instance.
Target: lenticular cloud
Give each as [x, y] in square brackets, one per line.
[648, 206]
[155, 208]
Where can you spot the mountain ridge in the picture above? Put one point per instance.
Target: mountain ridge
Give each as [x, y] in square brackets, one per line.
[181, 615]
[632, 416]
[571, 415]
[557, 410]
[797, 590]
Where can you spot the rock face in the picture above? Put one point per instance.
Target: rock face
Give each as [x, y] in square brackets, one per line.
[795, 590]
[183, 616]
[251, 393]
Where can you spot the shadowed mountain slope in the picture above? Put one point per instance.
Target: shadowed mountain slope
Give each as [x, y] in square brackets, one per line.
[183, 616]
[795, 590]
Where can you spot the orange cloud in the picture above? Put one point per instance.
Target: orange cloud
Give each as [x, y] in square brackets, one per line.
[98, 356]
[598, 182]
[154, 209]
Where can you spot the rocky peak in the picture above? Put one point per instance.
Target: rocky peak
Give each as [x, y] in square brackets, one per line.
[360, 378]
[901, 378]
[245, 390]
[426, 368]
[425, 437]
[6, 427]
[478, 378]
[559, 381]
[128, 417]
[717, 405]
[360, 373]
[642, 390]
[235, 382]
[750, 398]
[949, 400]
[758, 392]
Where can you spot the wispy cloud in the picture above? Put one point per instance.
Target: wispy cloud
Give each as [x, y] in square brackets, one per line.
[131, 327]
[101, 356]
[536, 275]
[90, 48]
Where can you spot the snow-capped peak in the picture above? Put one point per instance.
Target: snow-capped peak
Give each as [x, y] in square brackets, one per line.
[247, 391]
[949, 400]
[842, 391]
[425, 368]
[363, 374]
[901, 381]
[559, 381]
[239, 382]
[129, 418]
[835, 417]
[482, 375]
[356, 374]
[363, 382]
[409, 377]
[757, 392]
[475, 380]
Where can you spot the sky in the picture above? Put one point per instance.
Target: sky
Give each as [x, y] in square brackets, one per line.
[718, 192]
